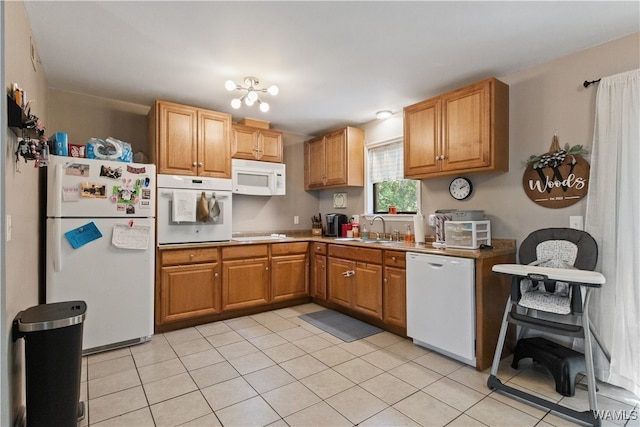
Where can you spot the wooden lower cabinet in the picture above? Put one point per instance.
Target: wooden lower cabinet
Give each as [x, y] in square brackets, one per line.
[189, 291]
[367, 292]
[245, 283]
[394, 289]
[188, 284]
[339, 281]
[318, 274]
[355, 283]
[289, 271]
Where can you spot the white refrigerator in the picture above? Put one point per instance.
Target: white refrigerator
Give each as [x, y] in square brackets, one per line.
[100, 246]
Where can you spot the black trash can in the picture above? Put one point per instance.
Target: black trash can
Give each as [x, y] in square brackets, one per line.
[53, 358]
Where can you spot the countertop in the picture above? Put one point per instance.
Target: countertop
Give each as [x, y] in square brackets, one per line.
[500, 246]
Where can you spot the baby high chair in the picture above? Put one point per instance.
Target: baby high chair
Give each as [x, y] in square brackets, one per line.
[554, 276]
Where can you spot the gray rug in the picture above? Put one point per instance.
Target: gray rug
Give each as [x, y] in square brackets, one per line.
[340, 325]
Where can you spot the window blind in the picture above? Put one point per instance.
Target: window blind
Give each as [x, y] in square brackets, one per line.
[386, 163]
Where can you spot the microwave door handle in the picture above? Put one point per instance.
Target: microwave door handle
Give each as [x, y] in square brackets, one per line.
[273, 184]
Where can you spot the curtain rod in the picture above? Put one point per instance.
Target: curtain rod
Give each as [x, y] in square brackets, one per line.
[588, 83]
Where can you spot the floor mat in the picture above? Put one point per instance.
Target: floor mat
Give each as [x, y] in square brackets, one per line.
[340, 325]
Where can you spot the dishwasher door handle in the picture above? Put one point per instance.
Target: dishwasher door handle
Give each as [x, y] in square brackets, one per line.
[434, 265]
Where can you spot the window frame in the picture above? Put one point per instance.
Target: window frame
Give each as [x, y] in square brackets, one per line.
[368, 193]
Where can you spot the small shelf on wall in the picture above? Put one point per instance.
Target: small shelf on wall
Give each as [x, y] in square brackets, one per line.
[16, 119]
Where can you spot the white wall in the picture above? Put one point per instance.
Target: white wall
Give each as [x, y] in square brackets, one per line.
[543, 100]
[21, 201]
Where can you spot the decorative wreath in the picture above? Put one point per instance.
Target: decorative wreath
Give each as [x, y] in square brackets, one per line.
[556, 156]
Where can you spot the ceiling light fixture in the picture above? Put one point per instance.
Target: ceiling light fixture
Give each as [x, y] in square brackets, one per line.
[384, 114]
[251, 97]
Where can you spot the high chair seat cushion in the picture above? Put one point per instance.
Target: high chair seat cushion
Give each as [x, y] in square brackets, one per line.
[546, 301]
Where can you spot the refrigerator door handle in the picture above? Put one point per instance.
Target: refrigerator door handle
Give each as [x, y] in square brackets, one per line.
[57, 245]
[56, 190]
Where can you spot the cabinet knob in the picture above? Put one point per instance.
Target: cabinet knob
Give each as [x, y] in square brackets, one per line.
[191, 256]
[394, 258]
[194, 164]
[215, 275]
[443, 157]
[200, 164]
[266, 268]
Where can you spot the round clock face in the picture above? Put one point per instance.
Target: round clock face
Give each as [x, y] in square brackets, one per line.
[460, 188]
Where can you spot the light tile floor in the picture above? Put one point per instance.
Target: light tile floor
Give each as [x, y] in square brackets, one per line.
[275, 369]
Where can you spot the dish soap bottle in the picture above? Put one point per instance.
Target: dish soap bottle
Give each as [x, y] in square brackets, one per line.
[408, 237]
[365, 233]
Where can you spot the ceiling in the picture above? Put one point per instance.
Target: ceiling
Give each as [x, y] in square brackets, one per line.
[335, 63]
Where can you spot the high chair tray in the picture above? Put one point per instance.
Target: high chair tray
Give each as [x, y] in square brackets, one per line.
[562, 274]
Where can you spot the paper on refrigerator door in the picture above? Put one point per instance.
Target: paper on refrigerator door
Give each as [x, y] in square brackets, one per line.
[131, 237]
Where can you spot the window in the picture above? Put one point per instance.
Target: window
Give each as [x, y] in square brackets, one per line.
[386, 180]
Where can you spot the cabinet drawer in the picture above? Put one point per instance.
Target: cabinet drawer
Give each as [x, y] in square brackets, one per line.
[245, 251]
[289, 248]
[395, 259]
[319, 248]
[356, 253]
[188, 256]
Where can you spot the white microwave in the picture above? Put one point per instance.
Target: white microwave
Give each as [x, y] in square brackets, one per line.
[255, 178]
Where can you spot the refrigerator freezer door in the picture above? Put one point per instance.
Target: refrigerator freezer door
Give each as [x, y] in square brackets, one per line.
[79, 187]
[115, 282]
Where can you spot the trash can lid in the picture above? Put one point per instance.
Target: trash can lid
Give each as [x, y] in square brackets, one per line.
[52, 316]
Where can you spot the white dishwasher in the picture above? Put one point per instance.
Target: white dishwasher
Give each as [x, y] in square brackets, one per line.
[441, 311]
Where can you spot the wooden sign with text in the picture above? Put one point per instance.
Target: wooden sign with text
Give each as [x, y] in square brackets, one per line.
[558, 178]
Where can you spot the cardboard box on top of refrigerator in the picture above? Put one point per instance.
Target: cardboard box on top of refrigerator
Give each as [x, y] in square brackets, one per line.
[59, 144]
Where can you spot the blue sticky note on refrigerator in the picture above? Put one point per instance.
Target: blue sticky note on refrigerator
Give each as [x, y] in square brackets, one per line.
[82, 235]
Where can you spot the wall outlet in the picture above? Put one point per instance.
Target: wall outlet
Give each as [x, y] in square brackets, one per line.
[8, 229]
[296, 220]
[576, 222]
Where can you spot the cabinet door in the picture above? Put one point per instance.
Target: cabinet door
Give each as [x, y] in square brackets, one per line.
[289, 277]
[177, 139]
[214, 149]
[465, 135]
[245, 143]
[319, 277]
[245, 283]
[270, 146]
[422, 138]
[189, 291]
[336, 158]
[314, 163]
[339, 282]
[395, 296]
[367, 292]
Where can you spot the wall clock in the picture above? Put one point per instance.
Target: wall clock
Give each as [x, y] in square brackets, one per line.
[460, 188]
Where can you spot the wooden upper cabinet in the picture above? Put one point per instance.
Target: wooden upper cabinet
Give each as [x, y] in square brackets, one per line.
[315, 161]
[185, 140]
[214, 149]
[252, 143]
[335, 160]
[463, 131]
[422, 138]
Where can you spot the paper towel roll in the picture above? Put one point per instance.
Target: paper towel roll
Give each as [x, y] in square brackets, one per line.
[418, 227]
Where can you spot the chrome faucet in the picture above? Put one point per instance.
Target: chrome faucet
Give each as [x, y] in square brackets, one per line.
[384, 226]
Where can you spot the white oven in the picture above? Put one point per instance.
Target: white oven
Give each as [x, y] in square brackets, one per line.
[179, 219]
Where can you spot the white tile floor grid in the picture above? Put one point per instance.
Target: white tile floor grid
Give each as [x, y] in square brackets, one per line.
[274, 369]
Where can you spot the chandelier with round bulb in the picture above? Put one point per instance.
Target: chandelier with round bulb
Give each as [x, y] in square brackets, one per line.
[251, 95]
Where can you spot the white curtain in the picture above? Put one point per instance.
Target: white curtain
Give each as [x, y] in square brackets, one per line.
[386, 162]
[613, 219]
